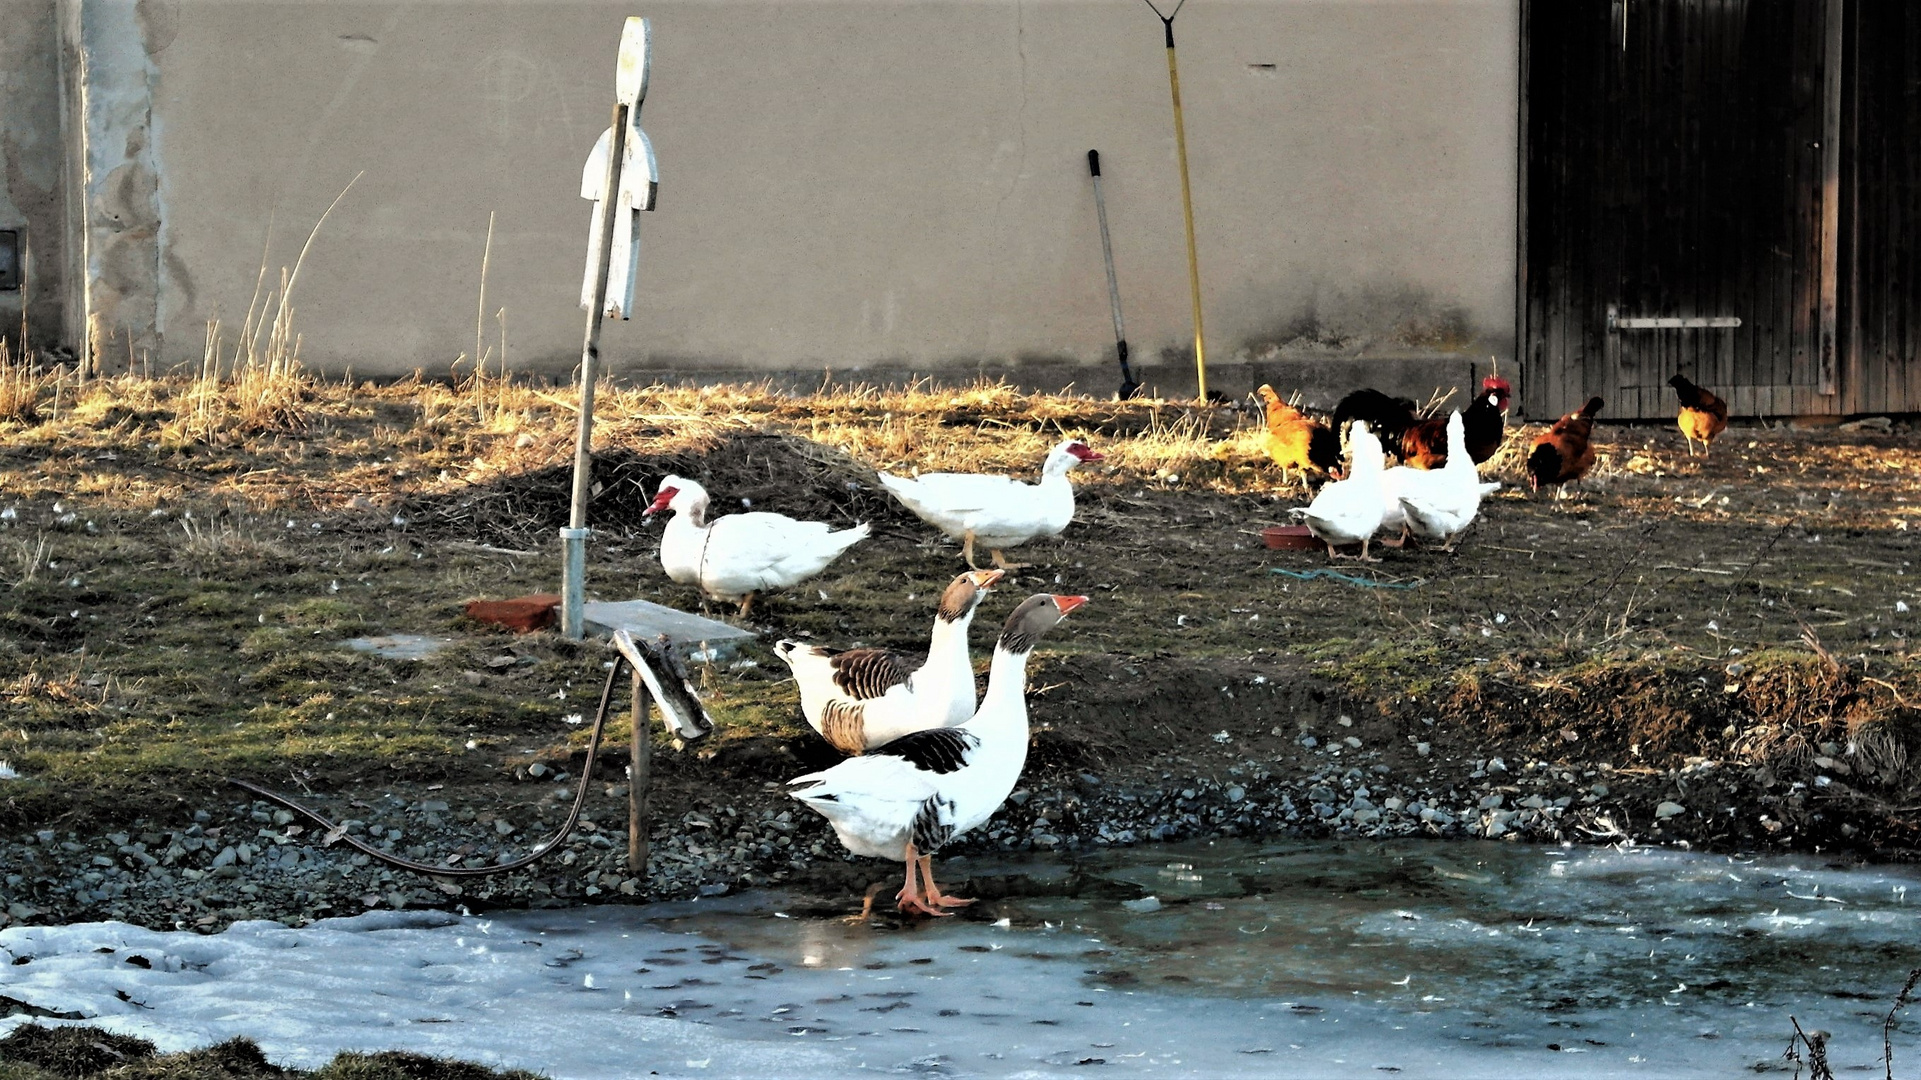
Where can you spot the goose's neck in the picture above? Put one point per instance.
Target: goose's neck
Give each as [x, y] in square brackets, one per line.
[694, 517]
[1005, 703]
[947, 650]
[949, 635]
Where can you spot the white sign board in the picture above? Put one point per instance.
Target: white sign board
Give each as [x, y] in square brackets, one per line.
[638, 179]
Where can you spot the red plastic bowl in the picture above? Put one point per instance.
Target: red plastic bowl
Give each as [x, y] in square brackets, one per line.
[1289, 538]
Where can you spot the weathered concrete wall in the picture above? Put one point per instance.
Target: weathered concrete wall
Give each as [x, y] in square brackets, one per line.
[32, 166]
[843, 183]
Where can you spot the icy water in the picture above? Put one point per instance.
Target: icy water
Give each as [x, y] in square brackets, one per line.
[1312, 959]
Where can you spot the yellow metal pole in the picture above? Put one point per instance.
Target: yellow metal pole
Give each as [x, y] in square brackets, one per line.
[1187, 212]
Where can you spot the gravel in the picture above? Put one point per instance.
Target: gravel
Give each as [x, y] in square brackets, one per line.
[254, 860]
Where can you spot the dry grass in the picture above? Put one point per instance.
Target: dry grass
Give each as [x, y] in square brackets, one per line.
[224, 541]
[27, 559]
[22, 386]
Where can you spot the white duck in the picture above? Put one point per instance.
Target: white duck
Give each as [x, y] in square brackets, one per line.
[734, 557]
[1349, 511]
[907, 799]
[1441, 504]
[997, 512]
[860, 698]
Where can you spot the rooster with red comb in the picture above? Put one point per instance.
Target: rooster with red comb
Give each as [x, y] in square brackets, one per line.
[1424, 445]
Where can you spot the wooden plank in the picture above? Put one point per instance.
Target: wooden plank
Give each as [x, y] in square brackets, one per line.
[1902, 233]
[1857, 383]
[1525, 364]
[1830, 273]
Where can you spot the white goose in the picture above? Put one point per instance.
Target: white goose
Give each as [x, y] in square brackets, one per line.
[907, 799]
[1349, 511]
[859, 698]
[996, 512]
[1443, 505]
[734, 557]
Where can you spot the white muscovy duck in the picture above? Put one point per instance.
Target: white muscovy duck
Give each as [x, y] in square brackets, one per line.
[734, 557]
[858, 698]
[1349, 511]
[907, 799]
[1441, 504]
[996, 512]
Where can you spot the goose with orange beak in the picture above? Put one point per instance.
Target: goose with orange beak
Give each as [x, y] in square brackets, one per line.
[857, 698]
[909, 798]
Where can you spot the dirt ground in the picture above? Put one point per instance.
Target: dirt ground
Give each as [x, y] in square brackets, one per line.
[1727, 633]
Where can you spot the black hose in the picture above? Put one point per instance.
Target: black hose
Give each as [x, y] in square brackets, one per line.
[541, 851]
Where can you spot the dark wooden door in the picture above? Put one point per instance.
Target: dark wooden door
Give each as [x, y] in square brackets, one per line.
[1675, 182]
[1881, 208]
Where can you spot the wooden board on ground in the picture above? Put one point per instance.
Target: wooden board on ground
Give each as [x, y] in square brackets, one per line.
[646, 620]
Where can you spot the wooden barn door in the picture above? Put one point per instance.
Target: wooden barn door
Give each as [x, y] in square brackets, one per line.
[1881, 209]
[1679, 203]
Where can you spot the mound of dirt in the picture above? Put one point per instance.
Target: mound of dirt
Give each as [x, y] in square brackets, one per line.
[756, 470]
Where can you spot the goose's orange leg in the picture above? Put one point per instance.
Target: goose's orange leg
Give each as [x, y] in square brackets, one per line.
[866, 904]
[934, 895]
[909, 895]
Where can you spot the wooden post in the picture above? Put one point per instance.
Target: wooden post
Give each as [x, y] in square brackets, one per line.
[640, 777]
[610, 209]
[1187, 208]
[574, 537]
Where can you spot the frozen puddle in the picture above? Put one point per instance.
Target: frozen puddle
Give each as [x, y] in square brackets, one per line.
[1421, 959]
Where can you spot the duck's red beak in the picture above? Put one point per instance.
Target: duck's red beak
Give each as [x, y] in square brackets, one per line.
[660, 501]
[1067, 604]
[1085, 452]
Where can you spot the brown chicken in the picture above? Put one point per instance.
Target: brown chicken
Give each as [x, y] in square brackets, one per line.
[1296, 442]
[1424, 445]
[1564, 453]
[1703, 415]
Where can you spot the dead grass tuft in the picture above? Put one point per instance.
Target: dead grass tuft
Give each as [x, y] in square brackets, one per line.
[224, 541]
[21, 387]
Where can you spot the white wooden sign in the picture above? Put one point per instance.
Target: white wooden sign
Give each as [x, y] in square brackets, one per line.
[639, 178]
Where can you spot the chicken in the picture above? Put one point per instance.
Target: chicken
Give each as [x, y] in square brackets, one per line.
[1703, 415]
[1424, 446]
[1296, 442]
[1564, 452]
[1387, 417]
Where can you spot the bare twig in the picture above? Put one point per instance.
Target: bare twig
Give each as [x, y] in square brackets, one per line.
[1887, 1026]
[1817, 1059]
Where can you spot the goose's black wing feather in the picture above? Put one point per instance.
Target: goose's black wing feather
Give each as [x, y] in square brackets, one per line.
[936, 750]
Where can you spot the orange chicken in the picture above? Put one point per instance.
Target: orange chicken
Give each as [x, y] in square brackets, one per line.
[1703, 415]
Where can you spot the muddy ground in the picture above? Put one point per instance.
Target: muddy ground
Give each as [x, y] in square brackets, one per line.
[1707, 651]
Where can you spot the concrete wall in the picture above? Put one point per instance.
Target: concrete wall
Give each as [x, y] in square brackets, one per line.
[843, 184]
[33, 167]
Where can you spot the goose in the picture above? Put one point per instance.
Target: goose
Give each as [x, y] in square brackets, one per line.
[1441, 504]
[737, 556]
[997, 512]
[907, 799]
[1349, 511]
[859, 698]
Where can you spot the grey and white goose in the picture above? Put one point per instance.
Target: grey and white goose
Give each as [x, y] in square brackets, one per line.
[907, 799]
[861, 698]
